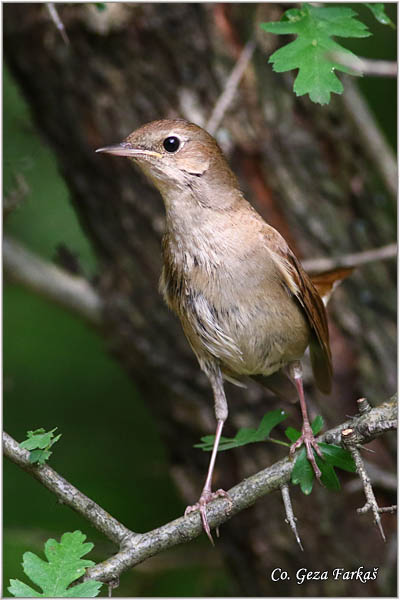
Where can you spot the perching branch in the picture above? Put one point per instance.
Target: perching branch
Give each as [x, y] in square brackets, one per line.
[44, 278]
[135, 548]
[67, 493]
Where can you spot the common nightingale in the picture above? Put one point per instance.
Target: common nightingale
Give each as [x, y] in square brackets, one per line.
[247, 307]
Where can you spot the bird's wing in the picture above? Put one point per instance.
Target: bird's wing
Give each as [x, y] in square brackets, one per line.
[300, 285]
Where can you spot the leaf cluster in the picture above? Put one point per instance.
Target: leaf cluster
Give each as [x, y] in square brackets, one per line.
[302, 473]
[39, 443]
[334, 456]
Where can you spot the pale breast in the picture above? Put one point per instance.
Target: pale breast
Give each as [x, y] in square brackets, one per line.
[250, 329]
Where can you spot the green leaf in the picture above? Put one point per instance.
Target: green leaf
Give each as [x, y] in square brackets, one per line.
[64, 565]
[303, 473]
[317, 424]
[338, 457]
[292, 433]
[100, 6]
[268, 422]
[39, 456]
[245, 435]
[21, 590]
[328, 475]
[38, 443]
[378, 10]
[314, 53]
[333, 456]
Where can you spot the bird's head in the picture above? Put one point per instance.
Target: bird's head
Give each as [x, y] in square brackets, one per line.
[174, 153]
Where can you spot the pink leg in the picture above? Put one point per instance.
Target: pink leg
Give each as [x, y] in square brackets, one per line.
[207, 495]
[307, 436]
[221, 411]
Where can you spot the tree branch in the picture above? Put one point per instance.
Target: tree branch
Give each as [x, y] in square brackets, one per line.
[290, 518]
[366, 66]
[76, 294]
[57, 21]
[230, 88]
[371, 136]
[348, 440]
[350, 260]
[67, 493]
[135, 548]
[39, 275]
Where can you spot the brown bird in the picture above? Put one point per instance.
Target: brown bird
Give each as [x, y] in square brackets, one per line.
[247, 307]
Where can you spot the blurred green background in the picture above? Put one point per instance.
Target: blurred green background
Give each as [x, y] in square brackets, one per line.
[57, 373]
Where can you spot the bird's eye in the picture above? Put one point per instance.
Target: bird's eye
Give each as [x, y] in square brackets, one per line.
[171, 143]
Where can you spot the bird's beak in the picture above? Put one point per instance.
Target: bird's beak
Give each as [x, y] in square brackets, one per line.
[126, 149]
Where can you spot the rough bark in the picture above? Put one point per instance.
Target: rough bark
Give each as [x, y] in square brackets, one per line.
[304, 170]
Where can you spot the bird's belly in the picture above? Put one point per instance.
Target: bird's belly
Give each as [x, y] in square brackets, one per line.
[247, 338]
[268, 341]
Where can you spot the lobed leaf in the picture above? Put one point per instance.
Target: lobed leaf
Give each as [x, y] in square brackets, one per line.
[245, 435]
[313, 50]
[63, 566]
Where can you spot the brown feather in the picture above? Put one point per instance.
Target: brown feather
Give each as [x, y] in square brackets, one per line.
[301, 286]
[326, 282]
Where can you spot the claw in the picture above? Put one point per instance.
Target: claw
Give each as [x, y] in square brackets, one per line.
[205, 498]
[307, 438]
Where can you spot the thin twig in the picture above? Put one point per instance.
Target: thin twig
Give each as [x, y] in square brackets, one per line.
[351, 260]
[388, 509]
[38, 275]
[349, 441]
[57, 21]
[378, 476]
[290, 518]
[135, 548]
[370, 136]
[111, 585]
[68, 494]
[230, 89]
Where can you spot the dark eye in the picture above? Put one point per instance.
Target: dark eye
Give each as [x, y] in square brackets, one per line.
[171, 144]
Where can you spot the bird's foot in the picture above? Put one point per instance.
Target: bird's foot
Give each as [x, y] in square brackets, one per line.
[307, 438]
[206, 497]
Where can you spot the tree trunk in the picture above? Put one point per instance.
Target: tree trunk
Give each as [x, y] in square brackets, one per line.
[303, 168]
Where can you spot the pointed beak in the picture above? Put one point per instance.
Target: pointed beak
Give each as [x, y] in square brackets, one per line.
[126, 149]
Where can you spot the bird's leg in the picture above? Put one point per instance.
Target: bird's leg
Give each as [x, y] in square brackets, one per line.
[307, 436]
[221, 413]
